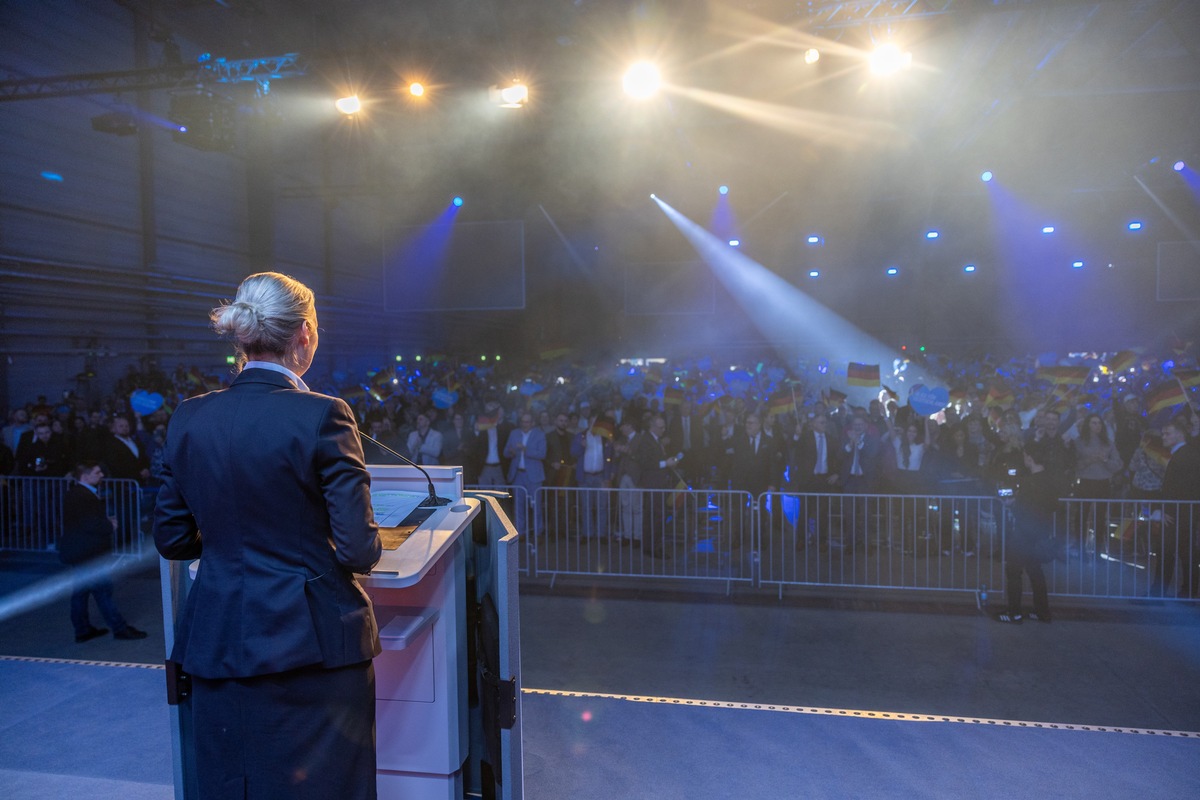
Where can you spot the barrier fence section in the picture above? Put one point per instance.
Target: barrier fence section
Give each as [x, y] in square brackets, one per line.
[31, 513]
[1103, 548]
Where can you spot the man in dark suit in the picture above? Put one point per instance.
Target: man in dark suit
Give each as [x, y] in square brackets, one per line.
[656, 470]
[87, 535]
[1181, 482]
[815, 468]
[525, 450]
[755, 466]
[860, 460]
[123, 456]
[41, 455]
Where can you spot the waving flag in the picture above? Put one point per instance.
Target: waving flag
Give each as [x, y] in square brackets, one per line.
[862, 374]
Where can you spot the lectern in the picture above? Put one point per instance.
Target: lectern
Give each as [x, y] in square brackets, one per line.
[448, 721]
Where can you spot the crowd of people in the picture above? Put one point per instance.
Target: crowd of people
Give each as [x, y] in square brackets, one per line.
[1099, 425]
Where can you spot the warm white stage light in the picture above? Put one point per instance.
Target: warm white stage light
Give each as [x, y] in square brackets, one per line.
[514, 95]
[888, 58]
[348, 105]
[812, 55]
[416, 89]
[642, 80]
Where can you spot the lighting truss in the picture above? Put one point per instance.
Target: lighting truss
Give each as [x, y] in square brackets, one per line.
[850, 13]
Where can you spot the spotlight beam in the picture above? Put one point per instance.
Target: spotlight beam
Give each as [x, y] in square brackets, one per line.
[784, 314]
[571, 251]
[1171, 215]
[62, 584]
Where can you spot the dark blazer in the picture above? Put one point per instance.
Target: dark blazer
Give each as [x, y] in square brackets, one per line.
[753, 472]
[87, 530]
[648, 454]
[804, 461]
[266, 485]
[120, 462]
[1181, 481]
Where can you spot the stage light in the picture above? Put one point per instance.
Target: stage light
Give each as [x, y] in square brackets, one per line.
[735, 242]
[53, 177]
[416, 89]
[986, 177]
[969, 268]
[893, 271]
[1135, 226]
[932, 234]
[722, 189]
[1180, 166]
[348, 105]
[814, 239]
[812, 55]
[812, 273]
[1048, 229]
[653, 196]
[399, 358]
[458, 201]
[1077, 265]
[515, 95]
[888, 58]
[641, 80]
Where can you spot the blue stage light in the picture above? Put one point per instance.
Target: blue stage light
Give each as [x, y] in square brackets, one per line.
[969, 268]
[893, 271]
[986, 177]
[1180, 166]
[814, 239]
[1077, 265]
[735, 242]
[1048, 229]
[53, 176]
[458, 201]
[1135, 226]
[723, 189]
[813, 273]
[932, 234]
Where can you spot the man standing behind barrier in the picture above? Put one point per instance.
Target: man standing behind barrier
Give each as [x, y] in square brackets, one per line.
[1027, 543]
[656, 471]
[627, 476]
[1181, 483]
[816, 462]
[526, 451]
[592, 450]
[755, 467]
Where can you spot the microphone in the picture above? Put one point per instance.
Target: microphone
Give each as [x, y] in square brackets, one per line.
[433, 501]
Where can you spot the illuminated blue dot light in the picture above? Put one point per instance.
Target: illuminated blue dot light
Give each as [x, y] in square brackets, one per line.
[932, 234]
[969, 268]
[814, 239]
[893, 271]
[1048, 229]
[1135, 226]
[53, 176]
[814, 273]
[986, 177]
[734, 242]
[1077, 264]
[1180, 166]
[458, 201]
[723, 189]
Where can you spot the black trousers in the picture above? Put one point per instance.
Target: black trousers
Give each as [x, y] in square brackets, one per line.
[307, 733]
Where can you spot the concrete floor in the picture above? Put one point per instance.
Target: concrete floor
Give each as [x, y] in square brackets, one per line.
[1134, 665]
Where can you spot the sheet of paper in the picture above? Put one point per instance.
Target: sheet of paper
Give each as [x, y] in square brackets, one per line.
[391, 507]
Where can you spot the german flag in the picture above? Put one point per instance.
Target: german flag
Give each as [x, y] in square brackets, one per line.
[834, 398]
[1122, 361]
[1168, 395]
[780, 404]
[1072, 376]
[1157, 452]
[1190, 378]
[486, 423]
[1002, 396]
[604, 428]
[672, 397]
[862, 374]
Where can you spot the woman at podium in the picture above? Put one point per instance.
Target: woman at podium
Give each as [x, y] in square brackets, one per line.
[264, 482]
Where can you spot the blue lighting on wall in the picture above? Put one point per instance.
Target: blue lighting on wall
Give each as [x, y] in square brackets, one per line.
[735, 242]
[814, 239]
[969, 268]
[814, 273]
[723, 189]
[893, 271]
[1048, 229]
[53, 177]
[458, 201]
[932, 234]
[1180, 166]
[986, 177]
[1077, 265]
[1135, 226]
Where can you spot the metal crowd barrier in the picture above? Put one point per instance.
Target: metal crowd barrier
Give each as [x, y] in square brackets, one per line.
[1105, 548]
[31, 513]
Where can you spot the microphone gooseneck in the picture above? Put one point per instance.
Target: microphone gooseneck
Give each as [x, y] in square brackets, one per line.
[433, 501]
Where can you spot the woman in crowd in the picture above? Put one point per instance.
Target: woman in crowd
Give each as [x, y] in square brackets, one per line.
[1097, 463]
[264, 482]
